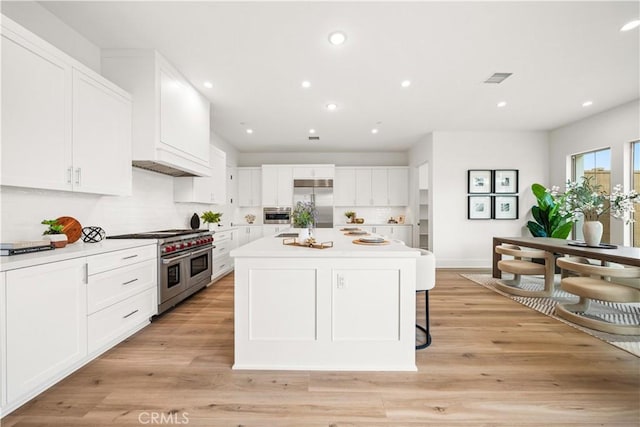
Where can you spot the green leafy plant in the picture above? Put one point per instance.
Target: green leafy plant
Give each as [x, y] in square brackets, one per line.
[550, 219]
[350, 214]
[211, 217]
[54, 227]
[304, 215]
[586, 199]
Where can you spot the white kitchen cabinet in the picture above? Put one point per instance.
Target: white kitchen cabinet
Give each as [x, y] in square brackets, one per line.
[101, 136]
[3, 344]
[232, 186]
[313, 171]
[277, 185]
[379, 187]
[211, 189]
[272, 230]
[224, 242]
[344, 187]
[46, 325]
[249, 187]
[248, 234]
[363, 190]
[64, 127]
[393, 232]
[398, 182]
[170, 117]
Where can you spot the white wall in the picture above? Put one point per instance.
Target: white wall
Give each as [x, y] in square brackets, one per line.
[40, 21]
[613, 129]
[392, 158]
[455, 240]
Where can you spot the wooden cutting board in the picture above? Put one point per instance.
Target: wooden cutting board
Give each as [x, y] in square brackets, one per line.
[71, 227]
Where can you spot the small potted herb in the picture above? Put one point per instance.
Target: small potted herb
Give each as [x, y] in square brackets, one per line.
[211, 218]
[351, 216]
[304, 217]
[55, 233]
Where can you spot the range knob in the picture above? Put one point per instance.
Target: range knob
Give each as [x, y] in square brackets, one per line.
[189, 244]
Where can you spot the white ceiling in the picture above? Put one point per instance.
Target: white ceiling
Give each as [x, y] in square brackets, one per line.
[257, 54]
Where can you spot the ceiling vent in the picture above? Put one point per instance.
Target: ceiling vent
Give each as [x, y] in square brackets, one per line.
[314, 138]
[497, 77]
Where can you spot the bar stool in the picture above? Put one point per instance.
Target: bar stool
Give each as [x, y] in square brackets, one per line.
[425, 280]
[519, 267]
[597, 283]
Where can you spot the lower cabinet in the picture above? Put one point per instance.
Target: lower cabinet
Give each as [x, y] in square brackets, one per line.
[395, 232]
[248, 234]
[46, 325]
[61, 315]
[224, 242]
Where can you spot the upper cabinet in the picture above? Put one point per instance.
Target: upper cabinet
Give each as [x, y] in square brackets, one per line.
[277, 185]
[376, 186]
[211, 189]
[249, 187]
[170, 117]
[64, 127]
[313, 171]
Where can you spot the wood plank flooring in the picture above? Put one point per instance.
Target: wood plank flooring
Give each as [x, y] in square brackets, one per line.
[492, 362]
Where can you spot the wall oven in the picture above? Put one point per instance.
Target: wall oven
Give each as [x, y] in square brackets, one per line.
[277, 216]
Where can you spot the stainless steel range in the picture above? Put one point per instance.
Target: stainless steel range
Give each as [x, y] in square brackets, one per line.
[185, 260]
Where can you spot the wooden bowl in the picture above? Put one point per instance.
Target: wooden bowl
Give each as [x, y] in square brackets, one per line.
[359, 220]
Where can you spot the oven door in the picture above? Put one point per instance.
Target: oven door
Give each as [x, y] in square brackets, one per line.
[200, 266]
[173, 276]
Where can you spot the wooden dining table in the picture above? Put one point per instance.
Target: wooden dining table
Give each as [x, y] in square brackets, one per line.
[626, 255]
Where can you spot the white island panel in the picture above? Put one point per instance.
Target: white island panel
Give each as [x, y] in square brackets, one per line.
[350, 307]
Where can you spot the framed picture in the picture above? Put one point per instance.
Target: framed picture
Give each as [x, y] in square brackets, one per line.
[479, 181]
[505, 207]
[505, 181]
[479, 207]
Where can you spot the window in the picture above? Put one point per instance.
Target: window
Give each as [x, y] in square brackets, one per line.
[595, 164]
[635, 184]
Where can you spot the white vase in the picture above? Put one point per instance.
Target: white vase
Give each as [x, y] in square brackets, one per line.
[58, 240]
[304, 234]
[592, 232]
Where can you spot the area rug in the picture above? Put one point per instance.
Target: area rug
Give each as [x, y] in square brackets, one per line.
[623, 313]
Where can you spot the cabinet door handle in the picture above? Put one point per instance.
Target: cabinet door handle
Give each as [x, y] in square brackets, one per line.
[78, 175]
[130, 256]
[69, 174]
[130, 281]
[130, 314]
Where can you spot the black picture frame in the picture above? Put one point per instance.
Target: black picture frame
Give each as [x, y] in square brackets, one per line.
[505, 181]
[479, 207]
[505, 207]
[479, 181]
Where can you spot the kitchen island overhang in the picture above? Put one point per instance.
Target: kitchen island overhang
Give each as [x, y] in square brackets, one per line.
[350, 307]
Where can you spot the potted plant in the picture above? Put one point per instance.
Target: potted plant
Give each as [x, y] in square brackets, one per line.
[351, 215]
[549, 220]
[55, 233]
[584, 199]
[211, 218]
[304, 216]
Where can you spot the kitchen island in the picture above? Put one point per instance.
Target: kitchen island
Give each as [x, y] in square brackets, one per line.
[347, 307]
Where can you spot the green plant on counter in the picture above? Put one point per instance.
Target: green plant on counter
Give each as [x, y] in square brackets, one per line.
[551, 219]
[350, 214]
[304, 215]
[54, 227]
[211, 217]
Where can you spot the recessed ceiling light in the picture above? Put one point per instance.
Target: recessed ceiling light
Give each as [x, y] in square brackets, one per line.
[208, 85]
[332, 106]
[631, 25]
[502, 104]
[249, 131]
[587, 103]
[405, 83]
[312, 131]
[306, 84]
[374, 131]
[337, 38]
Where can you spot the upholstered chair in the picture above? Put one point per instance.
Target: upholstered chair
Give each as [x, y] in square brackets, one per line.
[522, 265]
[617, 284]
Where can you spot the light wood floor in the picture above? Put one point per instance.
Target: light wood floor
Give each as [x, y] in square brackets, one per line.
[492, 362]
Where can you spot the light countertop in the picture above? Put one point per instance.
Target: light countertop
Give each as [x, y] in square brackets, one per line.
[78, 249]
[343, 246]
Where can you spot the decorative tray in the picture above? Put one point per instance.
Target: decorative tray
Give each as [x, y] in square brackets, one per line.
[295, 242]
[584, 245]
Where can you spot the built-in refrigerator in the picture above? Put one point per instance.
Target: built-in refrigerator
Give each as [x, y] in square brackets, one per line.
[320, 192]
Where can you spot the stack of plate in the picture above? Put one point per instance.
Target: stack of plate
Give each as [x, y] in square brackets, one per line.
[372, 239]
[357, 233]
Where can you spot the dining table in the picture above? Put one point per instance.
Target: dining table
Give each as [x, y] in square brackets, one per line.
[626, 255]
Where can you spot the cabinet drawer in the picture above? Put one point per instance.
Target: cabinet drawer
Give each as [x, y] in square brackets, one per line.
[222, 236]
[224, 263]
[221, 249]
[107, 288]
[116, 259]
[109, 324]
